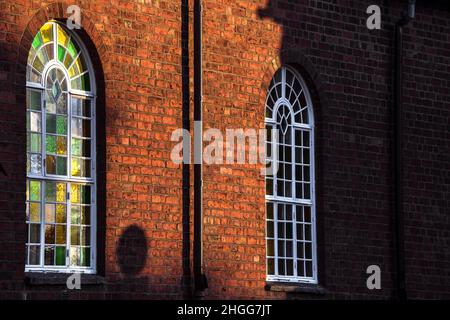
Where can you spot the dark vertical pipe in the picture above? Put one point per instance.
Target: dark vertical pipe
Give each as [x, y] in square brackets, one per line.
[398, 189]
[199, 278]
[186, 252]
[398, 156]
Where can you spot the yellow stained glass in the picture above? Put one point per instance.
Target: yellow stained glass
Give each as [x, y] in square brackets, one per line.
[77, 67]
[76, 167]
[60, 234]
[61, 145]
[60, 192]
[60, 213]
[35, 212]
[47, 32]
[75, 193]
[63, 37]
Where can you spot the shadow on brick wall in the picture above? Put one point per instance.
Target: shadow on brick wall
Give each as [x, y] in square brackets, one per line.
[131, 251]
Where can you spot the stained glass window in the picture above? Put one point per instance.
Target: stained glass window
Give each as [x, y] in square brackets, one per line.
[60, 211]
[290, 203]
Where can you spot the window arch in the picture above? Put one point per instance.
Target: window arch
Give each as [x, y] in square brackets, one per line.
[61, 154]
[290, 198]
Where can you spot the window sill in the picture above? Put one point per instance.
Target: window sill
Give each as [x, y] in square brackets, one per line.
[44, 278]
[296, 288]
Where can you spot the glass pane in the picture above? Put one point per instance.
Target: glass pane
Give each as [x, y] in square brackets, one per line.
[81, 107]
[35, 142]
[81, 147]
[60, 256]
[34, 100]
[61, 125]
[50, 144]
[35, 121]
[60, 192]
[50, 164]
[85, 236]
[61, 213]
[74, 256]
[51, 123]
[85, 260]
[61, 234]
[270, 266]
[35, 233]
[75, 217]
[34, 258]
[61, 145]
[85, 215]
[75, 235]
[50, 191]
[50, 213]
[35, 190]
[49, 255]
[35, 212]
[49, 234]
[35, 163]
[61, 106]
[61, 166]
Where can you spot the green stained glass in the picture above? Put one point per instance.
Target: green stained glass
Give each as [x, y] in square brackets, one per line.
[35, 142]
[34, 100]
[85, 194]
[76, 147]
[50, 144]
[61, 166]
[61, 52]
[75, 216]
[60, 256]
[50, 191]
[61, 125]
[85, 257]
[51, 123]
[35, 190]
[85, 82]
[37, 41]
[72, 49]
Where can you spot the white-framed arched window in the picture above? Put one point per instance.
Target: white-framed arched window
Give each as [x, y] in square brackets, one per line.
[61, 154]
[290, 197]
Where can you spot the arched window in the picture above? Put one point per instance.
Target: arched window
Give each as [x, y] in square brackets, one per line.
[290, 202]
[61, 178]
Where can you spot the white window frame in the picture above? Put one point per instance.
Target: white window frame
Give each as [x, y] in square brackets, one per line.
[44, 177]
[274, 199]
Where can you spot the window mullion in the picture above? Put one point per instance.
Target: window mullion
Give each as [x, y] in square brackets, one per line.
[68, 223]
[275, 237]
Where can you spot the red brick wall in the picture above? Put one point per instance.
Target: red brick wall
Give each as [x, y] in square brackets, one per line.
[350, 72]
